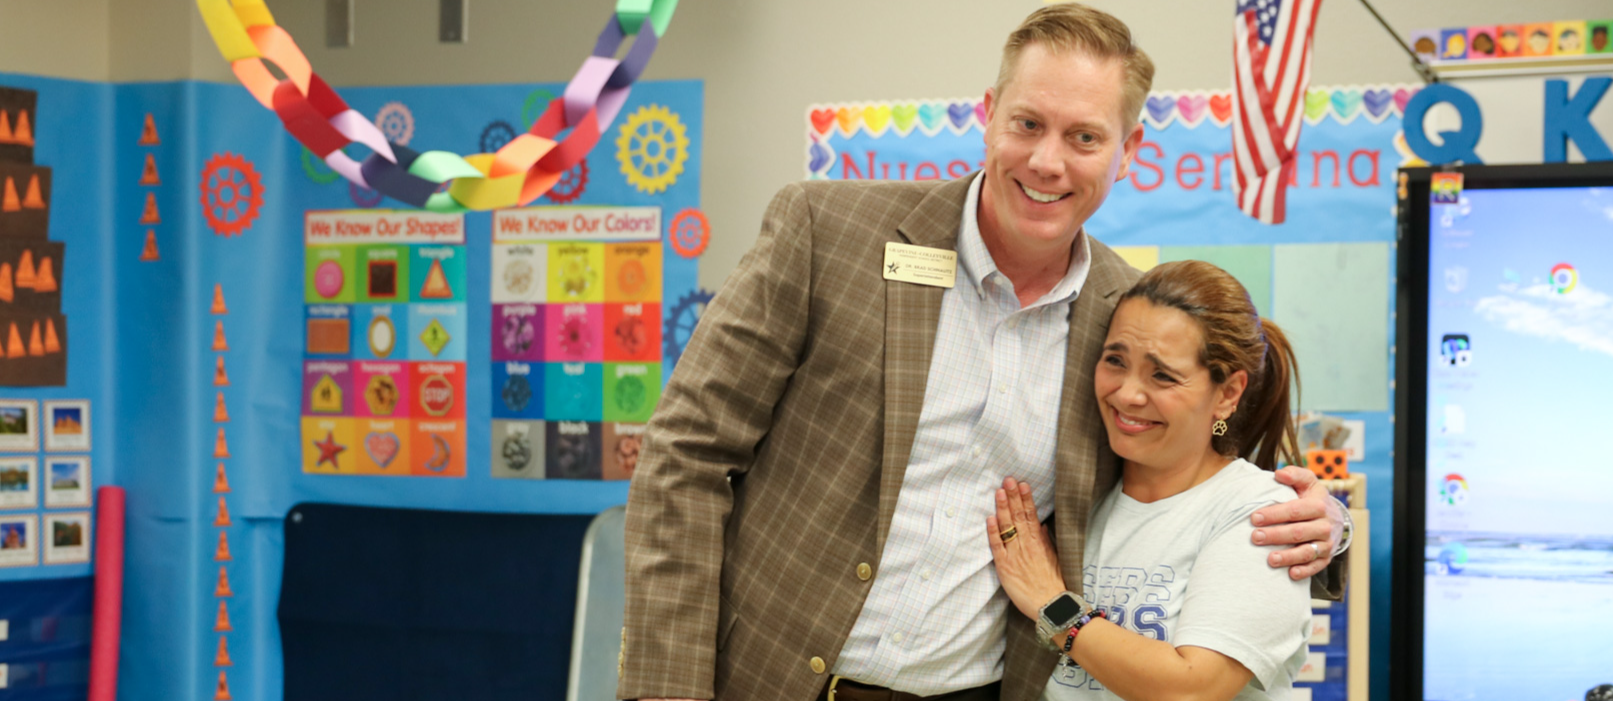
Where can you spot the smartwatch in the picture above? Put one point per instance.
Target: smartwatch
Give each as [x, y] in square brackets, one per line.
[1062, 613]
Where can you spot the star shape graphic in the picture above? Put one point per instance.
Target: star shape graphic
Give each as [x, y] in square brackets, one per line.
[894, 267]
[328, 450]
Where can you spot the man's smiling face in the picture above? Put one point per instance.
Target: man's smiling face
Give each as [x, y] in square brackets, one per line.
[1056, 141]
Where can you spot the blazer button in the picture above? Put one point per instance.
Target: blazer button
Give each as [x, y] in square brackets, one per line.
[817, 665]
[864, 572]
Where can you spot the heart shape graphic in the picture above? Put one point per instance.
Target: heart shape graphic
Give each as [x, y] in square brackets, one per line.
[1315, 104]
[1377, 102]
[1402, 96]
[877, 118]
[980, 114]
[904, 115]
[382, 448]
[1221, 107]
[931, 114]
[1346, 103]
[848, 118]
[1160, 108]
[1191, 108]
[959, 113]
[822, 120]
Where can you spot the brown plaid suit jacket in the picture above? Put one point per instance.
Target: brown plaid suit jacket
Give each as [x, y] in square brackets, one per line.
[771, 468]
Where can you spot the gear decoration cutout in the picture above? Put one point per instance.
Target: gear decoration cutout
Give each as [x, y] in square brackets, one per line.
[363, 196]
[317, 170]
[496, 135]
[232, 194]
[570, 185]
[652, 148]
[680, 323]
[396, 123]
[689, 233]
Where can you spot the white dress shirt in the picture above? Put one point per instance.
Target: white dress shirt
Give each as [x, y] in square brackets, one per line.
[934, 619]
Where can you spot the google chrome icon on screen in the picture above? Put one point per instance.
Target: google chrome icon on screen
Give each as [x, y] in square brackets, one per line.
[1564, 278]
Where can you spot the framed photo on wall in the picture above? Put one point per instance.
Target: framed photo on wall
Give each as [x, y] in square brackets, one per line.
[19, 483]
[67, 424]
[19, 541]
[19, 425]
[67, 538]
[66, 481]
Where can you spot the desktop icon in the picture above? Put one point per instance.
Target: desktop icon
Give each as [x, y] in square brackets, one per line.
[1564, 278]
[1453, 490]
[1456, 350]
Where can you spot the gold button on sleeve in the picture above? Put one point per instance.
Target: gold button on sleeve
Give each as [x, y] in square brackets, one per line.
[817, 665]
[864, 572]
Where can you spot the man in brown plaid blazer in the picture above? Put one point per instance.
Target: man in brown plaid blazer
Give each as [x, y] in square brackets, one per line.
[760, 510]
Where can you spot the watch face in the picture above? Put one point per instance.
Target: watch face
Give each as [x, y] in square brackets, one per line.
[1063, 609]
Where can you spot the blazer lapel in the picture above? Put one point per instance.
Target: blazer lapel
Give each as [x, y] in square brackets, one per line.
[912, 313]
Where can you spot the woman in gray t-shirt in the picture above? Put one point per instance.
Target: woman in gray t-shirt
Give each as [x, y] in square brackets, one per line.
[1194, 391]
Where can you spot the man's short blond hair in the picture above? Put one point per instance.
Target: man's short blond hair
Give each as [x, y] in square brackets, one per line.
[1074, 27]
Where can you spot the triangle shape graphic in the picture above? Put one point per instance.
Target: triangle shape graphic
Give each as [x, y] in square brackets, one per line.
[24, 134]
[150, 216]
[148, 133]
[436, 286]
[223, 518]
[25, 270]
[149, 253]
[221, 415]
[148, 175]
[219, 344]
[223, 692]
[222, 590]
[221, 449]
[7, 292]
[220, 378]
[222, 659]
[221, 483]
[36, 343]
[222, 554]
[218, 300]
[45, 279]
[33, 200]
[5, 128]
[11, 203]
[52, 343]
[221, 623]
[14, 346]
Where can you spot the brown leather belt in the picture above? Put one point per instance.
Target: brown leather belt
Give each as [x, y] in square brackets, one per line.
[841, 689]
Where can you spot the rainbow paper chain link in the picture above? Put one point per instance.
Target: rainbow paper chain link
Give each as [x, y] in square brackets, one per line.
[518, 173]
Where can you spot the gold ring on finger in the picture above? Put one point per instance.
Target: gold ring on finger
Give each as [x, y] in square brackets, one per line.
[1009, 534]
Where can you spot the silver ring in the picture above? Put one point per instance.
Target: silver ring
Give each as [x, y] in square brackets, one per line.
[1317, 550]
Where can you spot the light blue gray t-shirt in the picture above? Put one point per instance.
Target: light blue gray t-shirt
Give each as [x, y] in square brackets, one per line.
[1183, 569]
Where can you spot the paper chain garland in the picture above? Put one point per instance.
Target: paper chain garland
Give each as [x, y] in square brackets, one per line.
[516, 174]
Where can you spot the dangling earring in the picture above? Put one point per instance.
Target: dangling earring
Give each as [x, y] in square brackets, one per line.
[1219, 428]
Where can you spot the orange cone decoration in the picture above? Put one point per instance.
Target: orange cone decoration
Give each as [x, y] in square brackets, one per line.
[149, 253]
[5, 128]
[222, 659]
[14, 346]
[221, 447]
[11, 203]
[222, 554]
[219, 344]
[221, 624]
[221, 415]
[223, 692]
[25, 270]
[221, 484]
[222, 590]
[45, 278]
[220, 379]
[218, 300]
[36, 343]
[33, 200]
[7, 292]
[148, 133]
[148, 175]
[150, 216]
[53, 344]
[24, 134]
[223, 518]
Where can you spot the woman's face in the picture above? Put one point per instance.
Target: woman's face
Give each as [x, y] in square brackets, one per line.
[1158, 402]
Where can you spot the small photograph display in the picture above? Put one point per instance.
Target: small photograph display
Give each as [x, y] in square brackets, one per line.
[66, 481]
[67, 538]
[19, 541]
[67, 424]
[19, 425]
[18, 483]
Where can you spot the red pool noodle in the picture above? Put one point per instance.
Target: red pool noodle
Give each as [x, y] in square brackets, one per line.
[108, 616]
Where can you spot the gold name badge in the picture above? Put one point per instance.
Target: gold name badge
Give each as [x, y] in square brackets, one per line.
[919, 265]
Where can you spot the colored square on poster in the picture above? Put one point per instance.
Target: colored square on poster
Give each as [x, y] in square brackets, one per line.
[576, 272]
[572, 450]
[329, 274]
[632, 272]
[437, 332]
[631, 391]
[1251, 265]
[633, 332]
[520, 273]
[1598, 37]
[1332, 301]
[329, 445]
[1453, 44]
[383, 389]
[437, 448]
[384, 273]
[1480, 43]
[518, 332]
[571, 391]
[380, 331]
[437, 391]
[1509, 40]
[329, 331]
[1536, 39]
[518, 449]
[383, 446]
[574, 333]
[517, 390]
[327, 388]
[1140, 257]
[437, 273]
[1568, 38]
[621, 447]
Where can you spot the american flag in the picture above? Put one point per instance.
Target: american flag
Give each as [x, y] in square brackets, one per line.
[1271, 62]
